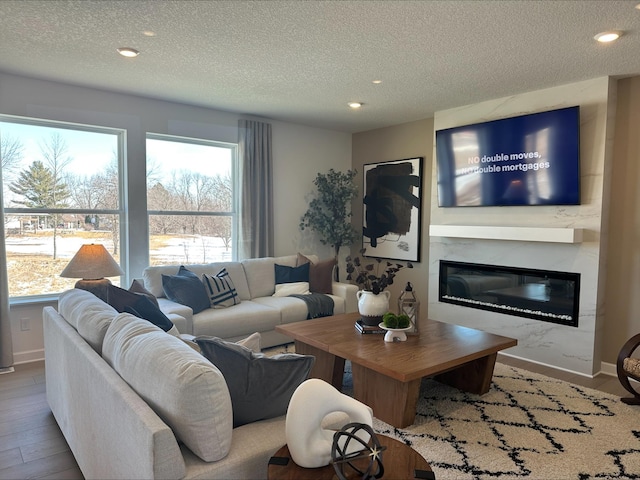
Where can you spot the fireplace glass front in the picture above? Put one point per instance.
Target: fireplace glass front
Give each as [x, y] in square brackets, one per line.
[539, 294]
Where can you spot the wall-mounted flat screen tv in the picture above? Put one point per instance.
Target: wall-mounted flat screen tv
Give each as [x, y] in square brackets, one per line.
[526, 160]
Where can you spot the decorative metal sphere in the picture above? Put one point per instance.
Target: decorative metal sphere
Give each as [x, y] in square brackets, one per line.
[353, 442]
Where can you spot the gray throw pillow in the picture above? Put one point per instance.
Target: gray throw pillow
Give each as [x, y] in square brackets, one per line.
[260, 386]
[187, 289]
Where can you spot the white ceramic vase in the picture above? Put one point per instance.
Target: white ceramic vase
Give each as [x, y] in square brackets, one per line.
[372, 307]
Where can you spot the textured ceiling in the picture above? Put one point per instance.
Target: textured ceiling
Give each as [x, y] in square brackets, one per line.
[302, 61]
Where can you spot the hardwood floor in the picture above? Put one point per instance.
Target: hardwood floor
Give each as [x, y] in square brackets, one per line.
[32, 445]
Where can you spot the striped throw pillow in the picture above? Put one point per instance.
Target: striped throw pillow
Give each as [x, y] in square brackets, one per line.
[220, 289]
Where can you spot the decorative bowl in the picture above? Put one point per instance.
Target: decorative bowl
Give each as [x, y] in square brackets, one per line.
[395, 334]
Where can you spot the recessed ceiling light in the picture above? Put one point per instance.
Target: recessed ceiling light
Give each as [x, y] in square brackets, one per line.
[377, 82]
[149, 33]
[638, 6]
[128, 52]
[355, 104]
[606, 37]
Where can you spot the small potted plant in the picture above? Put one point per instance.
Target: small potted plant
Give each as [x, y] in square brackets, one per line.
[373, 278]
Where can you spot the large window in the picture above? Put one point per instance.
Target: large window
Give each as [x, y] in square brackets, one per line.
[191, 200]
[61, 189]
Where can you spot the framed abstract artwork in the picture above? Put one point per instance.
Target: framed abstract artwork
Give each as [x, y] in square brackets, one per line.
[392, 202]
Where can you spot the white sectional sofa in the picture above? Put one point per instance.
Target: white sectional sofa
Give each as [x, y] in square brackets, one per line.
[123, 391]
[258, 310]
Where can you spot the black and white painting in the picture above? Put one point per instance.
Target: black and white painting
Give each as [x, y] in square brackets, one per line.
[391, 219]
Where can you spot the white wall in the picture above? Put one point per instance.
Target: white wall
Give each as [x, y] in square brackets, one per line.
[299, 153]
[574, 349]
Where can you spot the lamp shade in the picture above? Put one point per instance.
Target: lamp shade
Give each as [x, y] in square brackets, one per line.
[92, 262]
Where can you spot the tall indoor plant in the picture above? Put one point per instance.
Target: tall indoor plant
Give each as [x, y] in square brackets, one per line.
[329, 212]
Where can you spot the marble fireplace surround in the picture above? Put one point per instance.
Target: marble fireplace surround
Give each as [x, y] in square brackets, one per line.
[559, 238]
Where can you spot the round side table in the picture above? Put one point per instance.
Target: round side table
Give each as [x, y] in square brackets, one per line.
[400, 462]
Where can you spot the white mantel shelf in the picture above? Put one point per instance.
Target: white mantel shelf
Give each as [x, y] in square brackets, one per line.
[523, 234]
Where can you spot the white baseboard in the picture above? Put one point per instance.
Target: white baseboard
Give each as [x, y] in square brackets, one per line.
[28, 356]
[605, 368]
[608, 369]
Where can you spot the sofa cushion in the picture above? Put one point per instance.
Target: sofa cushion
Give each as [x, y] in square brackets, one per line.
[260, 386]
[297, 288]
[241, 320]
[179, 384]
[89, 315]
[285, 274]
[220, 289]
[260, 273]
[252, 342]
[292, 309]
[139, 305]
[186, 288]
[237, 274]
[320, 274]
[138, 287]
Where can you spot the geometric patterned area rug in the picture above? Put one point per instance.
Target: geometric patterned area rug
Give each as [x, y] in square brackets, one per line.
[527, 426]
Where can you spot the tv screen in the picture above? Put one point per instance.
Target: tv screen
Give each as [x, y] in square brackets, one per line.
[526, 160]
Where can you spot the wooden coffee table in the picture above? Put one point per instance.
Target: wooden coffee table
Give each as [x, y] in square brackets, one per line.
[399, 461]
[387, 376]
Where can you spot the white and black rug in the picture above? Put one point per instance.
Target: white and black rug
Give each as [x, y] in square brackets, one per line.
[526, 426]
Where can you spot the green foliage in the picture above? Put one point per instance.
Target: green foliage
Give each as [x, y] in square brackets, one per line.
[368, 277]
[391, 320]
[329, 212]
[403, 320]
[39, 188]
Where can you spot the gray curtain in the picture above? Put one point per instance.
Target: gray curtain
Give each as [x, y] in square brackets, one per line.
[6, 347]
[256, 194]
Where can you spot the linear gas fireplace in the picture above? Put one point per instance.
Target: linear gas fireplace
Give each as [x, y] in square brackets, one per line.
[539, 294]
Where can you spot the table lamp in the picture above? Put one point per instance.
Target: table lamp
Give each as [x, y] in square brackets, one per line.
[91, 264]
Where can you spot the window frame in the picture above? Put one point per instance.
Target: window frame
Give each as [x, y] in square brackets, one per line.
[235, 200]
[121, 136]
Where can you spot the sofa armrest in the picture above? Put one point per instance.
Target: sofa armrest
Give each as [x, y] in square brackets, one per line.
[348, 292]
[111, 430]
[180, 322]
[180, 315]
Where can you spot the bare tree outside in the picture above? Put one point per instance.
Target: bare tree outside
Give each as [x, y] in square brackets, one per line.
[11, 154]
[193, 192]
[223, 202]
[98, 192]
[190, 198]
[54, 154]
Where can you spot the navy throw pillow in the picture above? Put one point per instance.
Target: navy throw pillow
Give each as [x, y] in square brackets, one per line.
[139, 305]
[187, 289]
[286, 274]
